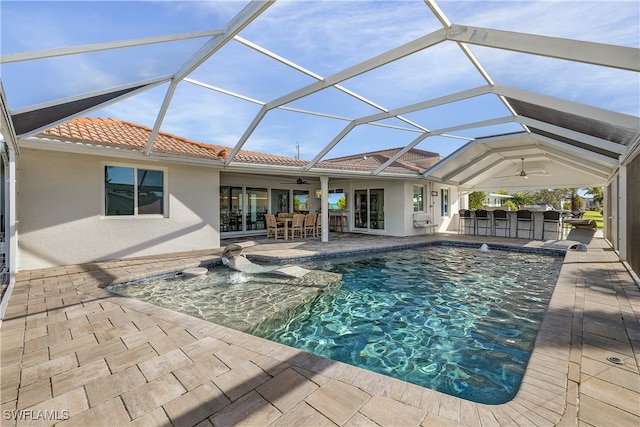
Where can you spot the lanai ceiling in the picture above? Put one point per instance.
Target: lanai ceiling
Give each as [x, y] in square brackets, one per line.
[433, 76]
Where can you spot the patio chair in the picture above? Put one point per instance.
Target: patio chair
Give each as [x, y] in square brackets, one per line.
[501, 221]
[464, 221]
[273, 227]
[319, 225]
[552, 220]
[525, 221]
[482, 222]
[297, 226]
[310, 225]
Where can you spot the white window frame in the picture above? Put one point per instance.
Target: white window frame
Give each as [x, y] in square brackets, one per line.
[413, 192]
[135, 167]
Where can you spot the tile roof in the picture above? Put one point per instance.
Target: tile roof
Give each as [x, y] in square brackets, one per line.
[122, 134]
[413, 160]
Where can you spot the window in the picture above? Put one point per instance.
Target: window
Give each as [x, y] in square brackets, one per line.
[279, 201]
[337, 200]
[133, 191]
[418, 198]
[300, 201]
[444, 200]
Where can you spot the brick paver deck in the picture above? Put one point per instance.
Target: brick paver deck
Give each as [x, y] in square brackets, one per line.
[75, 354]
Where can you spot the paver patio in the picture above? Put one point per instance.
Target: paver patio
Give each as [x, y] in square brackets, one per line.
[75, 354]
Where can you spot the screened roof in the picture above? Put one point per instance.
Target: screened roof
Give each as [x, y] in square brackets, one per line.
[550, 88]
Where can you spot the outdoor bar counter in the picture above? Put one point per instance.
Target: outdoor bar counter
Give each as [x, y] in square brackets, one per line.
[511, 227]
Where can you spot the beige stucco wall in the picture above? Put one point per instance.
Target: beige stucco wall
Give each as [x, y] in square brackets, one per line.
[59, 212]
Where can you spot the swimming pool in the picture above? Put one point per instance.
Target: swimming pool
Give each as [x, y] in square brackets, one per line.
[453, 319]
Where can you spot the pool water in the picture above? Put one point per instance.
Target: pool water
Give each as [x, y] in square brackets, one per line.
[452, 319]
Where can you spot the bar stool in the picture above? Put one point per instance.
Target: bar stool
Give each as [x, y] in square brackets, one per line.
[501, 221]
[552, 220]
[482, 222]
[464, 219]
[525, 218]
[337, 221]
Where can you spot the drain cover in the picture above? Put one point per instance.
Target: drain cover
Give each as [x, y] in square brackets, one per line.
[615, 360]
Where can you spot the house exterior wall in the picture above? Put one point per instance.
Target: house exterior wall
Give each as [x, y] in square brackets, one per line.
[60, 205]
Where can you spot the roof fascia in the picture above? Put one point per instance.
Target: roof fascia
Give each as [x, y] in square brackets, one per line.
[621, 57]
[96, 47]
[594, 113]
[68, 146]
[292, 170]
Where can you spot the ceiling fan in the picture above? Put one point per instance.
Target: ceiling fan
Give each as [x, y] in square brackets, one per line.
[523, 174]
[299, 181]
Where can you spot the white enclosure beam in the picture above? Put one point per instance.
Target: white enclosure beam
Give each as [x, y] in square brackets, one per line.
[240, 21]
[396, 156]
[582, 110]
[625, 58]
[254, 123]
[96, 47]
[330, 145]
[160, 117]
[499, 120]
[368, 65]
[577, 136]
[423, 105]
[480, 172]
[582, 153]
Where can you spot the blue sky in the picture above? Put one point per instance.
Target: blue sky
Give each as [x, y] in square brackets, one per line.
[324, 37]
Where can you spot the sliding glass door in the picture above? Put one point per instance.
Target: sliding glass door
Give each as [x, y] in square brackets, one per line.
[368, 209]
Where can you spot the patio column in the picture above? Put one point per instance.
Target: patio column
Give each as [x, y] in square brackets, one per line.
[622, 212]
[324, 207]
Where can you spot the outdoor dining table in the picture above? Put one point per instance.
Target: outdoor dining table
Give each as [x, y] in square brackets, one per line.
[286, 220]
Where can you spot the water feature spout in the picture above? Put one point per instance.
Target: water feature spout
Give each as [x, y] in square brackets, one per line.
[484, 248]
[233, 258]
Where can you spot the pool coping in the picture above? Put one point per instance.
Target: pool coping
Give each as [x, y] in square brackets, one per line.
[549, 393]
